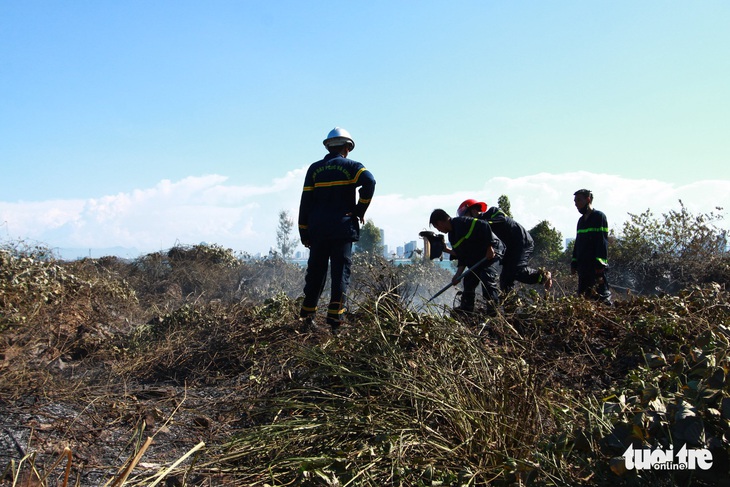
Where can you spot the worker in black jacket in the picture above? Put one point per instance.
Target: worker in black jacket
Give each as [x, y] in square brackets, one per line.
[518, 242]
[590, 250]
[329, 222]
[472, 240]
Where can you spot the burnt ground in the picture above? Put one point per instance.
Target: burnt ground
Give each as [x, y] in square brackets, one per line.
[103, 410]
[203, 374]
[103, 425]
[181, 388]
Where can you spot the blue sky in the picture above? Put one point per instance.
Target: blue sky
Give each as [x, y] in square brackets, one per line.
[146, 124]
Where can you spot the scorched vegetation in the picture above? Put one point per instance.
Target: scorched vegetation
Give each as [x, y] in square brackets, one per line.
[188, 367]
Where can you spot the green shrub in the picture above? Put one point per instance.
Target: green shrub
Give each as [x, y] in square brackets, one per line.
[671, 252]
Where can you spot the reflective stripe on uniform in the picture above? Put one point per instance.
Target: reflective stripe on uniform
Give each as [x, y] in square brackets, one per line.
[335, 308]
[589, 230]
[342, 182]
[468, 234]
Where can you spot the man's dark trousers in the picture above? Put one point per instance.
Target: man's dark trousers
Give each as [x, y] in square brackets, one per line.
[515, 268]
[486, 275]
[338, 253]
[594, 286]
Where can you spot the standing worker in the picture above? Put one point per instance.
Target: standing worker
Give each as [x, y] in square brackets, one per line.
[329, 222]
[590, 251]
[519, 243]
[471, 241]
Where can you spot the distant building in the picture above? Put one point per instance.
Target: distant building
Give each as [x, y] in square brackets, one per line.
[382, 243]
[409, 248]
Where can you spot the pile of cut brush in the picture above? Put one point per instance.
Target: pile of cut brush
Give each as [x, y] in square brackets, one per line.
[189, 368]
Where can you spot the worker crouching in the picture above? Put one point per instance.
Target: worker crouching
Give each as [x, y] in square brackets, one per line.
[476, 247]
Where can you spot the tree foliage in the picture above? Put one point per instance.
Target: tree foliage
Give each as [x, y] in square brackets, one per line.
[670, 252]
[504, 205]
[548, 243]
[369, 239]
[567, 254]
[284, 241]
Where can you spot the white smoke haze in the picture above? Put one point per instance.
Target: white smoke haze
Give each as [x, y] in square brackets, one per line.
[208, 209]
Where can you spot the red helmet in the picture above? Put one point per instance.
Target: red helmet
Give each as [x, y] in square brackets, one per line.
[468, 204]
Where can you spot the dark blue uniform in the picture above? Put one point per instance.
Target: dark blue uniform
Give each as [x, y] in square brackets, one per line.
[470, 239]
[590, 256]
[328, 223]
[519, 246]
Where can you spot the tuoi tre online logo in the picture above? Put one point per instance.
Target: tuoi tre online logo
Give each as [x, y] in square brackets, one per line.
[646, 459]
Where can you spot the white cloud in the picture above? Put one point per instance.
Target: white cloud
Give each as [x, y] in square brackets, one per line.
[206, 209]
[189, 211]
[550, 197]
[28, 218]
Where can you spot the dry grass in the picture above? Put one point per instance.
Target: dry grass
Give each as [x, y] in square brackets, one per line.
[202, 354]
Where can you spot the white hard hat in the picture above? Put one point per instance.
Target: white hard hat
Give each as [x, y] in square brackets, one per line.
[338, 136]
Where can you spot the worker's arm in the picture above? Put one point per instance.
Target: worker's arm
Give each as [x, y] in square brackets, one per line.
[457, 276]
